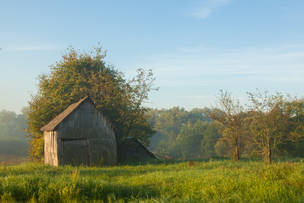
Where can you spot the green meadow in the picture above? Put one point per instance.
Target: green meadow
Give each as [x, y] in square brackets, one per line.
[205, 181]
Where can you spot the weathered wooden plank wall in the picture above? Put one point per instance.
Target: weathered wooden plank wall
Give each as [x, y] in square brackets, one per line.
[50, 148]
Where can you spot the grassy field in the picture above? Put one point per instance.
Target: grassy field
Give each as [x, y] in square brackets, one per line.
[213, 181]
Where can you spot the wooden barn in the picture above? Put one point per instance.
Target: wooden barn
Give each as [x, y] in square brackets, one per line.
[80, 135]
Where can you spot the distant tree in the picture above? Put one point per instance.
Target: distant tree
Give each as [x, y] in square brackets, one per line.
[222, 148]
[169, 124]
[294, 146]
[270, 122]
[7, 120]
[189, 139]
[211, 135]
[297, 120]
[12, 125]
[13, 138]
[230, 115]
[80, 74]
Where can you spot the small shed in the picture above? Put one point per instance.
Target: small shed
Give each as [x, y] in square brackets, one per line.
[80, 135]
[130, 150]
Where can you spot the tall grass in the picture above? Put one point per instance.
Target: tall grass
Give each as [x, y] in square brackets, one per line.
[213, 181]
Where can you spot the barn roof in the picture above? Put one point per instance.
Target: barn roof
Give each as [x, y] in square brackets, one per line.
[60, 117]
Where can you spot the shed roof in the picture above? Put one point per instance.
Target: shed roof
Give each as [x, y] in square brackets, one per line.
[60, 117]
[130, 141]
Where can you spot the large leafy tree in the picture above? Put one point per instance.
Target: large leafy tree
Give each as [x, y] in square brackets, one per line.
[80, 74]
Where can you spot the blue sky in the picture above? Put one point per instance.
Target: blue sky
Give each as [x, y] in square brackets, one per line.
[195, 48]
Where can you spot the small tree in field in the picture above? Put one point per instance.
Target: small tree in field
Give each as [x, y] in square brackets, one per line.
[270, 122]
[85, 74]
[230, 115]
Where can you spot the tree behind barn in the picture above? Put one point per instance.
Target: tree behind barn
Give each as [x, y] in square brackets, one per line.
[80, 74]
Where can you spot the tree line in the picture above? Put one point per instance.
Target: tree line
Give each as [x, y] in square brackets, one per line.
[227, 131]
[270, 125]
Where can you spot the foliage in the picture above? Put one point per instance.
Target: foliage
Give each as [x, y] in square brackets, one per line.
[197, 140]
[213, 181]
[13, 141]
[12, 125]
[222, 148]
[80, 74]
[269, 122]
[189, 138]
[182, 134]
[210, 138]
[231, 116]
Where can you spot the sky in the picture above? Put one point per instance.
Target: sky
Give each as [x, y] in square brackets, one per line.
[194, 47]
